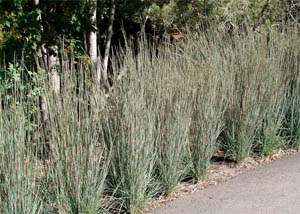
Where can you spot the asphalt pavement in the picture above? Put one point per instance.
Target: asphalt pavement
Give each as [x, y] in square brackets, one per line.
[273, 188]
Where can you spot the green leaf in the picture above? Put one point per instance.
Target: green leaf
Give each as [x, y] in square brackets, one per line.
[268, 22]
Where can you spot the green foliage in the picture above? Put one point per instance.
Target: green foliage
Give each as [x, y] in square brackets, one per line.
[261, 13]
[176, 15]
[20, 32]
[160, 124]
[68, 20]
[17, 88]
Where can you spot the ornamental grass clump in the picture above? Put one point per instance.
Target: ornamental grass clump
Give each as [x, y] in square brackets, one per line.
[291, 50]
[206, 126]
[207, 102]
[172, 108]
[172, 129]
[19, 170]
[129, 130]
[247, 73]
[130, 137]
[271, 137]
[292, 121]
[78, 161]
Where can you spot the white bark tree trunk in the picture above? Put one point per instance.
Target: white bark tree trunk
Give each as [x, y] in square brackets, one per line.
[53, 64]
[50, 56]
[53, 61]
[108, 43]
[93, 36]
[95, 59]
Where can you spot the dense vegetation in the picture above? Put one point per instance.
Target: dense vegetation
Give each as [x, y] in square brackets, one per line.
[149, 110]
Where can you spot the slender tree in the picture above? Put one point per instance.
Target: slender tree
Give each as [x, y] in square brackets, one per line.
[108, 42]
[52, 52]
[93, 34]
[42, 98]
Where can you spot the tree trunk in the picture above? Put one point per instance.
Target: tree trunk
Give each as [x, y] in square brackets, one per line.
[108, 43]
[52, 57]
[53, 64]
[42, 99]
[93, 36]
[43, 102]
[96, 66]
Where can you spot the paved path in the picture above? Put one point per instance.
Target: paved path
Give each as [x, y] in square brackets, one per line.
[268, 189]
